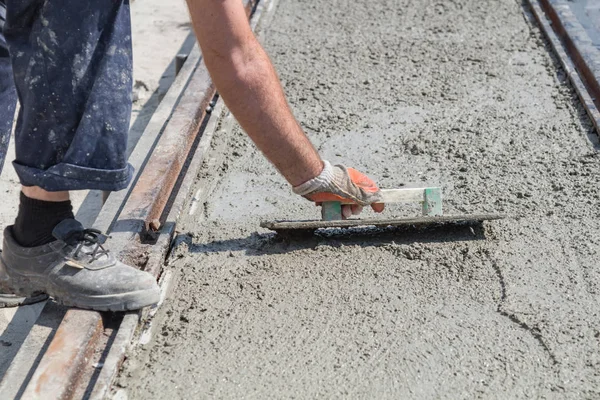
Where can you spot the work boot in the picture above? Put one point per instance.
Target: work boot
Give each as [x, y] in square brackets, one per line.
[76, 270]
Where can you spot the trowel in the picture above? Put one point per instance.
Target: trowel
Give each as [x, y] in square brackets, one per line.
[430, 199]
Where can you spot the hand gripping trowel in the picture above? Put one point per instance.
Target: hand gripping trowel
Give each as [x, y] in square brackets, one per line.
[431, 206]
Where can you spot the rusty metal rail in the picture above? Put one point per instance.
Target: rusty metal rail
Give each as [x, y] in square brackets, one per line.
[578, 56]
[152, 191]
[80, 360]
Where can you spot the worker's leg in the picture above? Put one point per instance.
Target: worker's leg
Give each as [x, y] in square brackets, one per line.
[8, 95]
[8, 101]
[72, 67]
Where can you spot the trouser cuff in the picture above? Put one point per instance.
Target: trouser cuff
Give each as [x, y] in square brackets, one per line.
[63, 177]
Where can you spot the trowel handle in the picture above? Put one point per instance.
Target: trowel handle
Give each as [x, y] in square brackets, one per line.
[429, 197]
[406, 195]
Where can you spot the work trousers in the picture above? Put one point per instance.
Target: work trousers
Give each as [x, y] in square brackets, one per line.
[69, 64]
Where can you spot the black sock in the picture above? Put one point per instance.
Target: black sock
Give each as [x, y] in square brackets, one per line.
[37, 218]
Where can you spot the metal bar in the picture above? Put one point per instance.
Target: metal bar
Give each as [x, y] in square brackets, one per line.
[130, 321]
[180, 59]
[147, 142]
[115, 356]
[579, 61]
[64, 357]
[291, 226]
[577, 42]
[149, 197]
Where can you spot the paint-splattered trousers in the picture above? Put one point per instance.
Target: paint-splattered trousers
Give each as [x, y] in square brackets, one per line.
[68, 62]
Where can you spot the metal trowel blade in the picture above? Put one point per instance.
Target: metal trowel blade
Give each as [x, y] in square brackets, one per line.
[419, 222]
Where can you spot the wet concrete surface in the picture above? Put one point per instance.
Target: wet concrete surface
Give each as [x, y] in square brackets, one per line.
[463, 94]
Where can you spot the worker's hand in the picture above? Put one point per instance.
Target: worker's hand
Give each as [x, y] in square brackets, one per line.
[347, 185]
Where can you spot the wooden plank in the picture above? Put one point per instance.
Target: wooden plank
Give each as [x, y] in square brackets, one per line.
[429, 197]
[402, 195]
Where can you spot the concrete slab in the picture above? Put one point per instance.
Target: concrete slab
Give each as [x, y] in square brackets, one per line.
[463, 95]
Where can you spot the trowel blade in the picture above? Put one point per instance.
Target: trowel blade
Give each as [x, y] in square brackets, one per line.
[419, 222]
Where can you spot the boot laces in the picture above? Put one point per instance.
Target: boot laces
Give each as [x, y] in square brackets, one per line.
[91, 238]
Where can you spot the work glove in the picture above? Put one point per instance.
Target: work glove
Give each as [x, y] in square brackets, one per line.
[346, 185]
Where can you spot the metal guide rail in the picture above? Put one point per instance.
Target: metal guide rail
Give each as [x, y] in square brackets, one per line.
[80, 355]
[578, 55]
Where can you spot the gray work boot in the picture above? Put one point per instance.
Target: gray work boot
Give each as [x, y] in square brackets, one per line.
[75, 270]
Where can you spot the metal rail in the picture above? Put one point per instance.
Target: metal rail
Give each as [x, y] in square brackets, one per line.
[578, 56]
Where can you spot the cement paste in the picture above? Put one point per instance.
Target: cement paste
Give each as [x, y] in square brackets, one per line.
[461, 94]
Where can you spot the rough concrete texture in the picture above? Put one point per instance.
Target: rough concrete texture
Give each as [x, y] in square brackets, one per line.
[458, 93]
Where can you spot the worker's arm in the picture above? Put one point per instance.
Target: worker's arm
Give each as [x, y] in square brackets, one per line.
[248, 83]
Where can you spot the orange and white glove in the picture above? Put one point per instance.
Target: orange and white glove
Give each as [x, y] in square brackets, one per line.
[346, 185]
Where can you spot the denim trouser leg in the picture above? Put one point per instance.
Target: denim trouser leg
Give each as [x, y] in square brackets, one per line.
[72, 65]
[8, 94]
